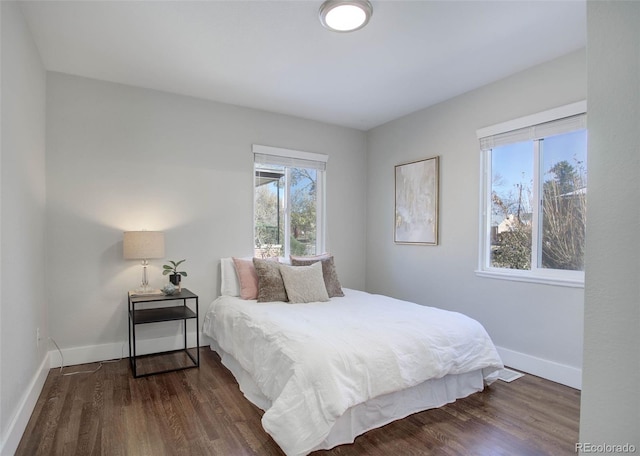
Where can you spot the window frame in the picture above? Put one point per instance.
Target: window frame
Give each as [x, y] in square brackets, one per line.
[290, 158]
[536, 274]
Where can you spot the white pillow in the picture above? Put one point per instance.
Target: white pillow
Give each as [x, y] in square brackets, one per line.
[229, 286]
[304, 283]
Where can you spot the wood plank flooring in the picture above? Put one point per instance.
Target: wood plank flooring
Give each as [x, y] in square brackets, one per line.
[202, 412]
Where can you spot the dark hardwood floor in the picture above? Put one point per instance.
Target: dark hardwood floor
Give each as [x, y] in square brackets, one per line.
[202, 412]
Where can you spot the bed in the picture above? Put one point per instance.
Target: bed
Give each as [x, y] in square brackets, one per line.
[326, 372]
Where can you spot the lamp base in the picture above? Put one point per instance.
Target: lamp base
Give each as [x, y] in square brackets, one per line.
[144, 289]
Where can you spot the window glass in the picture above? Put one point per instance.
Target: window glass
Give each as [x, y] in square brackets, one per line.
[269, 211]
[285, 211]
[303, 211]
[511, 205]
[564, 195]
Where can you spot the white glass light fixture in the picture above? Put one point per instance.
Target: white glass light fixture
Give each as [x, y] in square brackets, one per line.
[345, 15]
[143, 245]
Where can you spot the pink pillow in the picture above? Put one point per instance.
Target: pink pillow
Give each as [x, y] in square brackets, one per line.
[247, 277]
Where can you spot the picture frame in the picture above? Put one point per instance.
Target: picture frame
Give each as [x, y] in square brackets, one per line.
[416, 202]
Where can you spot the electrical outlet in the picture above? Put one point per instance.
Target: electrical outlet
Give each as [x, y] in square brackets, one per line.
[37, 337]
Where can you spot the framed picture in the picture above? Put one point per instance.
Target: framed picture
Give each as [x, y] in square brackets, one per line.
[416, 211]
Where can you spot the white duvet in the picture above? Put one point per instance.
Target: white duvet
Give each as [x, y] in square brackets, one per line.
[314, 361]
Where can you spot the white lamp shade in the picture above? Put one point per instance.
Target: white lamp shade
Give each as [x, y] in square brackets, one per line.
[143, 245]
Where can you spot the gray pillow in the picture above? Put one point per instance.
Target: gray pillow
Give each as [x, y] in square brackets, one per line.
[304, 283]
[270, 284]
[331, 281]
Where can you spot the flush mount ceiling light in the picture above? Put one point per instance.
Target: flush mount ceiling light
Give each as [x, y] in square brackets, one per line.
[345, 15]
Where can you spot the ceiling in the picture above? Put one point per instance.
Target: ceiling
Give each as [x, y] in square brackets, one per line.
[276, 56]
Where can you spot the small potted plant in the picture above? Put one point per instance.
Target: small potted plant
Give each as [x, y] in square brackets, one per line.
[175, 275]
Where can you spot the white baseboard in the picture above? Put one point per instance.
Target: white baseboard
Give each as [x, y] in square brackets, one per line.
[117, 350]
[73, 356]
[19, 422]
[556, 372]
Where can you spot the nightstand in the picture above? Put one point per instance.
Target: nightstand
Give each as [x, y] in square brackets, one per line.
[158, 308]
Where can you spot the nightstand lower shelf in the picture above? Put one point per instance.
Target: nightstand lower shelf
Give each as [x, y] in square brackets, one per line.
[169, 361]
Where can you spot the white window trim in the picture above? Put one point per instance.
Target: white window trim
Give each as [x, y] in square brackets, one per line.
[287, 213]
[289, 153]
[527, 276]
[550, 115]
[534, 275]
[298, 158]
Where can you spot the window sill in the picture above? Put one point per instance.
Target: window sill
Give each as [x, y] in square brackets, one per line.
[530, 278]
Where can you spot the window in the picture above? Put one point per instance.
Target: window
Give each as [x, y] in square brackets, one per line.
[534, 194]
[288, 210]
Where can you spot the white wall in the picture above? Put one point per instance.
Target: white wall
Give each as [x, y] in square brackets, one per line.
[538, 327]
[123, 158]
[610, 409]
[23, 306]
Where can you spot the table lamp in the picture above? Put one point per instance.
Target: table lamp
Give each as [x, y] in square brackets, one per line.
[145, 246]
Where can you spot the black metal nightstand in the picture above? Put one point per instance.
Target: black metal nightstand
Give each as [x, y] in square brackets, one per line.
[159, 314]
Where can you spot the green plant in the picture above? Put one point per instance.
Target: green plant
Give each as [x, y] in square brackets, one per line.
[173, 268]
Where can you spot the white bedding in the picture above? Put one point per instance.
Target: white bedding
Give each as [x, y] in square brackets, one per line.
[315, 361]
